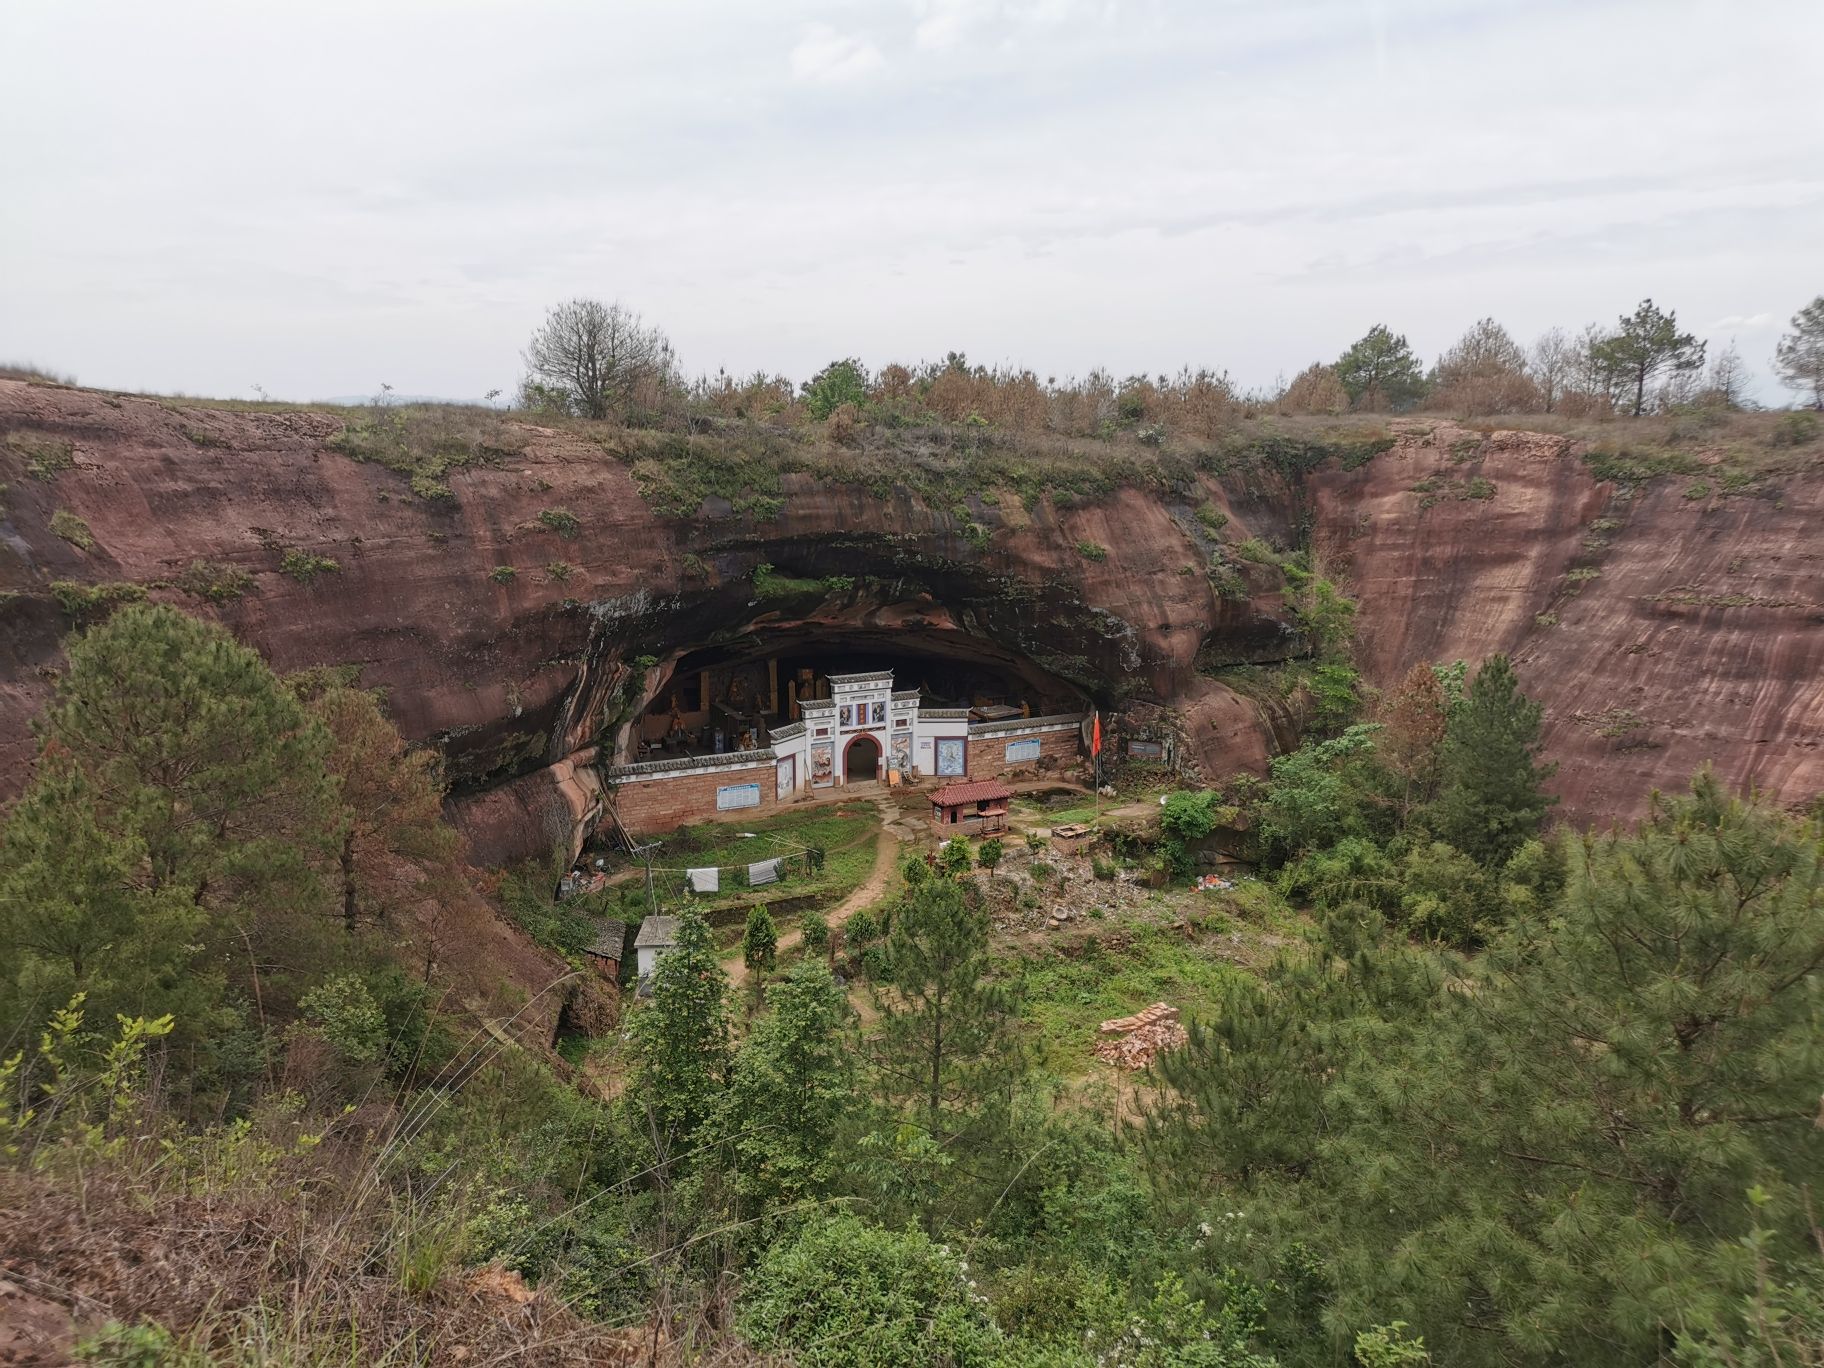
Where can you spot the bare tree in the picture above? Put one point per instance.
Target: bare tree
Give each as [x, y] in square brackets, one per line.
[1726, 385]
[1484, 372]
[598, 360]
[1553, 359]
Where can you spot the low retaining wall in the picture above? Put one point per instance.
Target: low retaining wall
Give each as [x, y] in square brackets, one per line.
[662, 795]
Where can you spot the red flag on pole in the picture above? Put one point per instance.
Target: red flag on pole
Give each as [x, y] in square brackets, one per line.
[1095, 736]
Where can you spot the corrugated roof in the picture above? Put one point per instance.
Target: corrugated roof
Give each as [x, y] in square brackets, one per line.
[657, 933]
[974, 791]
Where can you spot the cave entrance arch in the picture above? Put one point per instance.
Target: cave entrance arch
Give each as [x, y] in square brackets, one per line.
[861, 760]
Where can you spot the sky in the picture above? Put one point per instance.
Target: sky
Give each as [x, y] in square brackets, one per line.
[318, 199]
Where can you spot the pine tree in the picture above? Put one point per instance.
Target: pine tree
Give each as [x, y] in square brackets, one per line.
[192, 752]
[198, 751]
[681, 1040]
[1380, 372]
[791, 1086]
[395, 848]
[760, 941]
[1647, 345]
[944, 1052]
[78, 915]
[988, 856]
[1799, 358]
[1490, 801]
[1412, 719]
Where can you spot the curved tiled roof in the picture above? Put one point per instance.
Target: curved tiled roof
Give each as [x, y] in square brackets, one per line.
[972, 791]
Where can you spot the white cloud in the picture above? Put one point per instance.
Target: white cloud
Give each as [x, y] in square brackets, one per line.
[823, 55]
[1741, 322]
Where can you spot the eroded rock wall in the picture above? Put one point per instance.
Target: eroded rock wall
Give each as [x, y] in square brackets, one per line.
[521, 646]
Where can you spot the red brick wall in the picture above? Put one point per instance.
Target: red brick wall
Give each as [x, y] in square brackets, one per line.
[666, 801]
[988, 754]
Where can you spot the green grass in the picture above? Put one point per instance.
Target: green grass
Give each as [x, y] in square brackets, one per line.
[844, 832]
[46, 456]
[72, 529]
[1064, 1000]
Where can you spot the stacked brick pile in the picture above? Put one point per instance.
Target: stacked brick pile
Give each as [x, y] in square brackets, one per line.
[1133, 1042]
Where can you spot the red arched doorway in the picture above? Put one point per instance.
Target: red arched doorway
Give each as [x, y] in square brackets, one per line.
[861, 759]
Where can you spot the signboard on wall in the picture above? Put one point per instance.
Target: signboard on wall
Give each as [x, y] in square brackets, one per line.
[952, 756]
[1019, 751]
[731, 796]
[1146, 750]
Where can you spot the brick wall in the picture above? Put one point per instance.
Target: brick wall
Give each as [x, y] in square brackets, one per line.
[988, 754]
[664, 801]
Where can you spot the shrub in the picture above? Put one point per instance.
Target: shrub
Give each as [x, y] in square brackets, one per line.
[213, 581]
[1697, 489]
[816, 929]
[1212, 517]
[72, 529]
[1090, 550]
[344, 1013]
[559, 571]
[1101, 868]
[1794, 429]
[305, 566]
[955, 857]
[90, 603]
[503, 574]
[845, 1292]
[561, 521]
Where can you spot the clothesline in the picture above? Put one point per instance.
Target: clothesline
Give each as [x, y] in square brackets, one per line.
[791, 848]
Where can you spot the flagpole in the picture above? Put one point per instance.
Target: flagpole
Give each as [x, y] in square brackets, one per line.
[1096, 750]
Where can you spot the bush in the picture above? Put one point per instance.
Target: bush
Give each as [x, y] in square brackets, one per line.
[503, 574]
[1101, 868]
[816, 928]
[344, 1013]
[1795, 429]
[46, 457]
[844, 1292]
[213, 581]
[561, 521]
[72, 529]
[1090, 550]
[955, 857]
[305, 566]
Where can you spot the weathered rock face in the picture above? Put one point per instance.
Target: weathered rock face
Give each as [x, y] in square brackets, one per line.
[1703, 625]
[1660, 631]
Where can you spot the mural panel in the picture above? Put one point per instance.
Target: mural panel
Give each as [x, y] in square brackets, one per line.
[823, 764]
[952, 756]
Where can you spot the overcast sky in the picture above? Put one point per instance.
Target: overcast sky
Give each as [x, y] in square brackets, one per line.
[320, 197]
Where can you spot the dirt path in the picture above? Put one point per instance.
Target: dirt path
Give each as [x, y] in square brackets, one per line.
[886, 855]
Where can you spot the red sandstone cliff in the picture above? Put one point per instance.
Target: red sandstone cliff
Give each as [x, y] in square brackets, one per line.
[1700, 638]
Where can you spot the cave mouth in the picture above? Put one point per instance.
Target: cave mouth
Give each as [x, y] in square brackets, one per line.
[732, 696]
